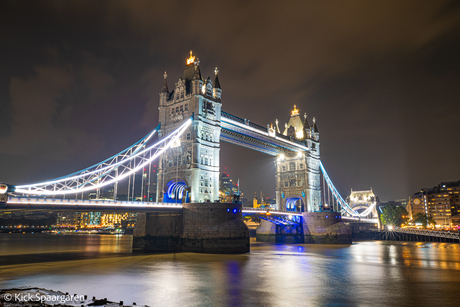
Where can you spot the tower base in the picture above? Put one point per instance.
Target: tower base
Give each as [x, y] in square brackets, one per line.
[200, 227]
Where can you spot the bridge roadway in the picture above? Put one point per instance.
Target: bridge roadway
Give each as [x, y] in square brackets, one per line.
[55, 204]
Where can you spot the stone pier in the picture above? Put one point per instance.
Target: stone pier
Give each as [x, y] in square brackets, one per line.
[315, 228]
[199, 227]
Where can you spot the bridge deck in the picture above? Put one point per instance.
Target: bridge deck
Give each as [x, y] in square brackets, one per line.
[55, 204]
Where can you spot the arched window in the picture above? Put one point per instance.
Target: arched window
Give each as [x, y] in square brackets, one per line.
[292, 166]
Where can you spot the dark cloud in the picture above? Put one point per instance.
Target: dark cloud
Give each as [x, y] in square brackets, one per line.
[81, 82]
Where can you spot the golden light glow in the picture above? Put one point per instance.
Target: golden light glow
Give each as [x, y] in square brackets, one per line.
[299, 134]
[295, 111]
[191, 59]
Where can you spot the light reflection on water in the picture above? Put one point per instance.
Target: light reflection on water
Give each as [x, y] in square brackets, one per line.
[366, 273]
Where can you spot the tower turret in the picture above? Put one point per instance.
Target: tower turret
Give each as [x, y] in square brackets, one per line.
[217, 90]
[164, 90]
[197, 80]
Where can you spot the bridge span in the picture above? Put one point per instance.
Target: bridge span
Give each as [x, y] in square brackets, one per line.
[62, 204]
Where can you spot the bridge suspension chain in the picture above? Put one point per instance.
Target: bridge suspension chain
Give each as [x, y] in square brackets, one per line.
[109, 171]
[340, 201]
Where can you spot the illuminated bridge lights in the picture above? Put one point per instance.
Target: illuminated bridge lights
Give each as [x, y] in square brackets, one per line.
[82, 202]
[108, 171]
[345, 207]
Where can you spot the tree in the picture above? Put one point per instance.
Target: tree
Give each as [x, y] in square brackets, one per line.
[423, 219]
[393, 215]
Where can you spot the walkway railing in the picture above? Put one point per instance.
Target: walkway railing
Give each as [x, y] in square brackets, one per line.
[269, 211]
[84, 202]
[424, 232]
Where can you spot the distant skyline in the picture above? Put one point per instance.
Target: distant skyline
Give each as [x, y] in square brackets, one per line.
[80, 81]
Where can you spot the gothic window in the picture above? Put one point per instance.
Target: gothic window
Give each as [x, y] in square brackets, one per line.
[205, 183]
[182, 94]
[301, 166]
[188, 136]
[201, 182]
[206, 161]
[292, 166]
[202, 160]
[182, 108]
[286, 184]
[292, 182]
[201, 177]
[206, 190]
[201, 190]
[186, 107]
[177, 109]
[284, 168]
[177, 96]
[210, 161]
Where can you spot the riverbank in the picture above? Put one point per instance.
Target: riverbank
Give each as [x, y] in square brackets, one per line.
[39, 297]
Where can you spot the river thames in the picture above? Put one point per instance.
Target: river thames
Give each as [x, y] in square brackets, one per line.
[370, 273]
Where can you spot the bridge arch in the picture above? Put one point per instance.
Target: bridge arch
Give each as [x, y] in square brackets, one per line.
[295, 204]
[175, 191]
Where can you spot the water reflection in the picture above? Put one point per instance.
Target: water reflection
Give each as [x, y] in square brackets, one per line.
[363, 274]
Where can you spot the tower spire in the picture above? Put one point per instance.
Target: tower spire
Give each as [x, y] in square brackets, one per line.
[164, 89]
[216, 83]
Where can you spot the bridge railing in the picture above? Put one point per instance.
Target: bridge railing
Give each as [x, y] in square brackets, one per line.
[424, 232]
[268, 211]
[39, 200]
[232, 117]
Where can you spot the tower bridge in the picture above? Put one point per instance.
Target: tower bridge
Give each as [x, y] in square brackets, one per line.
[191, 126]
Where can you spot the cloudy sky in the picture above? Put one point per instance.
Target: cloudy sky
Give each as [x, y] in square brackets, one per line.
[79, 81]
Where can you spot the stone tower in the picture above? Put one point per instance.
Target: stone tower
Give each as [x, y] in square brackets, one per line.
[298, 183]
[189, 171]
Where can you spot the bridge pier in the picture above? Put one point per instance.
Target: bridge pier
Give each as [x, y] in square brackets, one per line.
[315, 228]
[200, 227]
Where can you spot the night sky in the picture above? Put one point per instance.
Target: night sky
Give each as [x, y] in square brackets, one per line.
[79, 81]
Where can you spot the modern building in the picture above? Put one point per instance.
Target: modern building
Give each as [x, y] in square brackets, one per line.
[442, 203]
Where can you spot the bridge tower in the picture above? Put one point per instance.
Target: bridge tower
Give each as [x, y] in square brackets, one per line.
[189, 170]
[298, 183]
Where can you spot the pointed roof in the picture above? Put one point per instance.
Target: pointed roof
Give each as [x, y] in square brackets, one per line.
[294, 121]
[216, 83]
[164, 89]
[315, 128]
[197, 75]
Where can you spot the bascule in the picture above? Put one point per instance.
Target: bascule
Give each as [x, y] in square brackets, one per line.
[186, 146]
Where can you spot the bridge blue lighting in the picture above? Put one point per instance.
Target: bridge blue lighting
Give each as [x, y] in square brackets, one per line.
[175, 191]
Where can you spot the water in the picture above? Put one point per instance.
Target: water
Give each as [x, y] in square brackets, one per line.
[373, 273]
